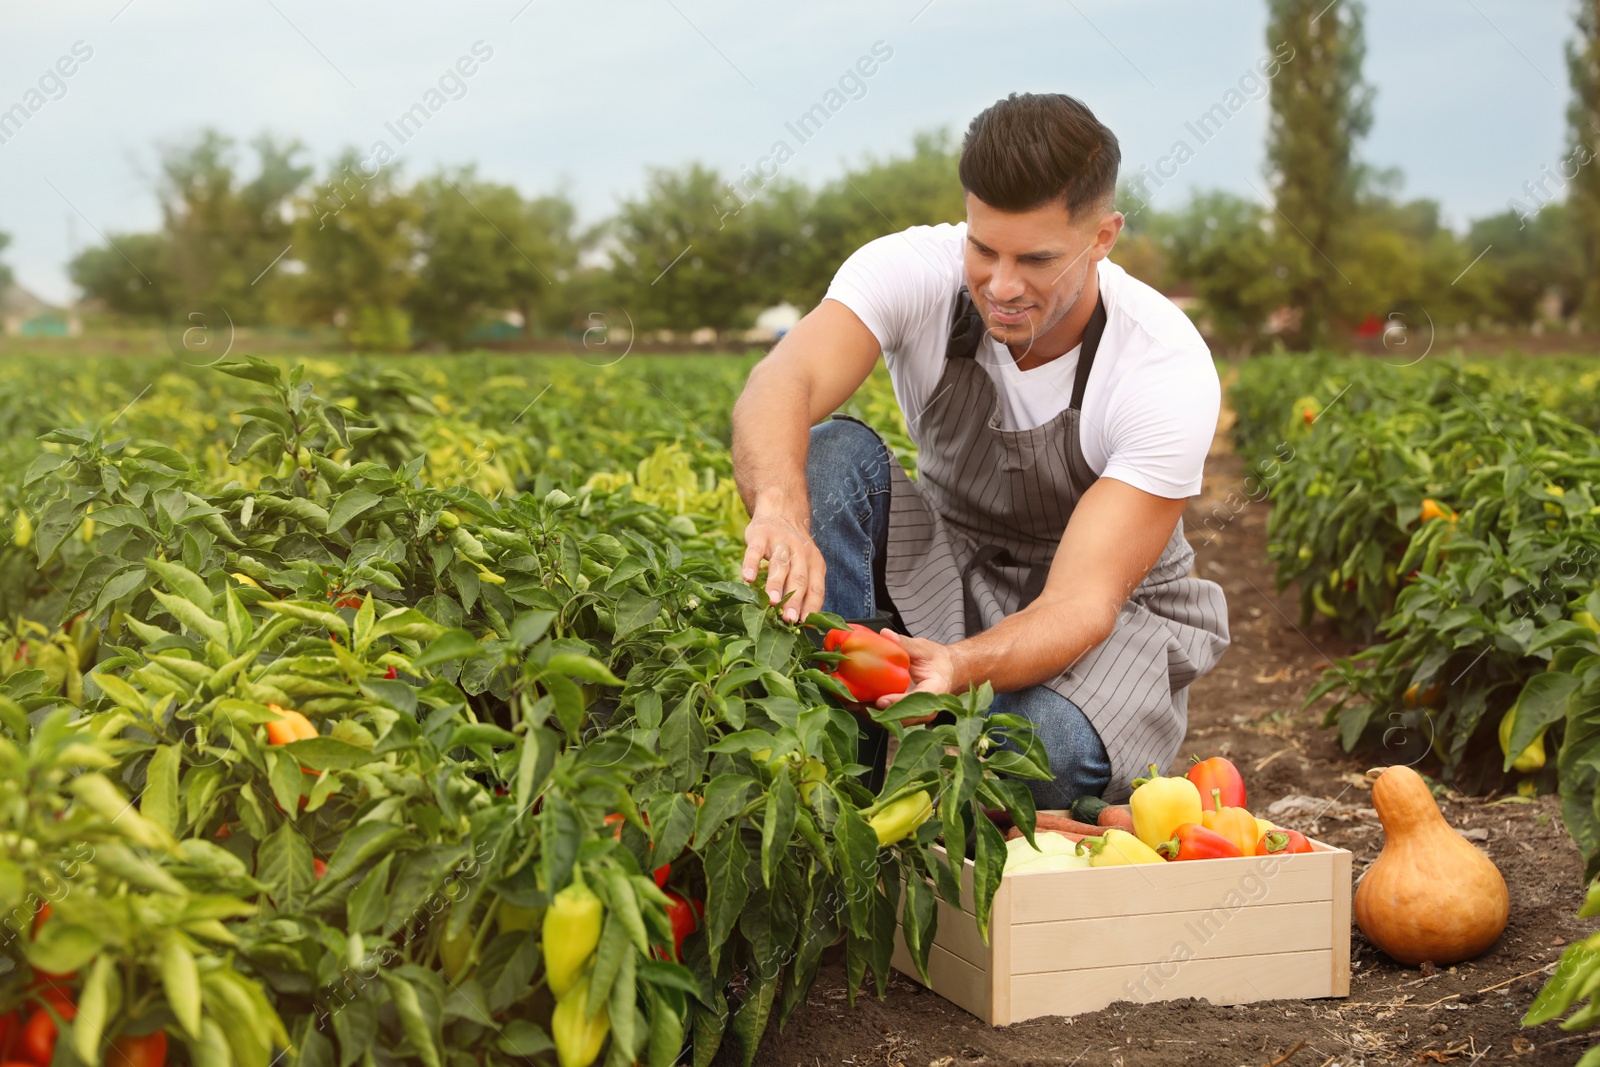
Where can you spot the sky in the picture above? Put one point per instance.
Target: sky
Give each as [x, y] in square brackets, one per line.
[582, 98]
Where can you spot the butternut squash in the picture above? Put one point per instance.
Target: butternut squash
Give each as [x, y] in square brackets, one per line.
[1430, 896]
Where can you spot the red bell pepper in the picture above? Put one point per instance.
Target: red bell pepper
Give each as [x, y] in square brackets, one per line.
[1282, 842]
[1217, 773]
[684, 917]
[874, 665]
[1194, 842]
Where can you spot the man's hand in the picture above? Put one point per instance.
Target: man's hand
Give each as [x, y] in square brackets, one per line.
[813, 370]
[933, 670]
[794, 564]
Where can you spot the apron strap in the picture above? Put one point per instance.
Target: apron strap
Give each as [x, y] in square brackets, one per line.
[966, 328]
[1031, 587]
[1091, 345]
[967, 332]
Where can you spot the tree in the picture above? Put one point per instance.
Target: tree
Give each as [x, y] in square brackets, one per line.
[219, 236]
[225, 235]
[1583, 133]
[684, 253]
[1532, 257]
[130, 276]
[1320, 109]
[485, 248]
[356, 234]
[5, 272]
[1223, 245]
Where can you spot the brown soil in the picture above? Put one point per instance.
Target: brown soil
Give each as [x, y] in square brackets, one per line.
[1248, 710]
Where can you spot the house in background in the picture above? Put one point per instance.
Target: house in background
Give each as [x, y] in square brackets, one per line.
[24, 315]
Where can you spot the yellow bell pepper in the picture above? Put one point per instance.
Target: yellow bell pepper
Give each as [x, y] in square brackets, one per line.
[578, 1037]
[1118, 848]
[571, 932]
[1529, 759]
[1161, 805]
[896, 821]
[1236, 824]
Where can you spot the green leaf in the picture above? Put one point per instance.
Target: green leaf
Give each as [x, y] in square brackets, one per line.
[121, 693]
[362, 843]
[61, 947]
[284, 774]
[625, 905]
[94, 1009]
[724, 798]
[160, 802]
[583, 668]
[672, 822]
[1543, 701]
[568, 700]
[1579, 967]
[407, 623]
[634, 611]
[180, 977]
[212, 1049]
[412, 1021]
[920, 920]
[989, 866]
[348, 506]
[450, 645]
[523, 1039]
[669, 976]
[253, 369]
[529, 626]
[283, 864]
[727, 887]
[857, 864]
[479, 733]
[194, 617]
[778, 825]
[185, 583]
[750, 1021]
[328, 754]
[369, 901]
[315, 614]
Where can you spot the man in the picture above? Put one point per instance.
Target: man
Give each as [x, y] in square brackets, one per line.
[1062, 412]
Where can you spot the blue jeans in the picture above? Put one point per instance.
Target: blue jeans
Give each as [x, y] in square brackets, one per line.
[847, 475]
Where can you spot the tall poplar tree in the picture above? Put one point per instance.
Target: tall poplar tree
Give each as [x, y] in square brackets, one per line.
[1320, 108]
[1583, 133]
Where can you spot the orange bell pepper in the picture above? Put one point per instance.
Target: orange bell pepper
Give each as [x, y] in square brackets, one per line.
[1235, 824]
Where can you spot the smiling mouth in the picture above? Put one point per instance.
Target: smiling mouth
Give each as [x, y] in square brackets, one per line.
[1008, 315]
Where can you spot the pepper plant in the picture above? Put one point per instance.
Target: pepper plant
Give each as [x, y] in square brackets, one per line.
[508, 698]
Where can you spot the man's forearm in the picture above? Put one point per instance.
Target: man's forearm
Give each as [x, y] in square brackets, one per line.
[771, 433]
[1033, 645]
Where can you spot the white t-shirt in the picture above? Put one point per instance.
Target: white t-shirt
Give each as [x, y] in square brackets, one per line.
[1150, 407]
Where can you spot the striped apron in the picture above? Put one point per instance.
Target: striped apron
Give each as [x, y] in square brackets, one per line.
[971, 542]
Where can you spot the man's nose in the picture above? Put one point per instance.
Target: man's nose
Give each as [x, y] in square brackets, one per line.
[1005, 284]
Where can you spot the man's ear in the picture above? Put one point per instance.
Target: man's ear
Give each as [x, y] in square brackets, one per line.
[1106, 236]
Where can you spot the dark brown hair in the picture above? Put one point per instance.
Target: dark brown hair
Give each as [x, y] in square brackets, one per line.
[1033, 148]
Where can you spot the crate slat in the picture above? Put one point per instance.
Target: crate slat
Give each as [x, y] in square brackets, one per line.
[1230, 980]
[963, 984]
[1110, 892]
[1172, 935]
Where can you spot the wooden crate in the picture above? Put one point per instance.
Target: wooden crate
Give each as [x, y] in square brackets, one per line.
[1228, 931]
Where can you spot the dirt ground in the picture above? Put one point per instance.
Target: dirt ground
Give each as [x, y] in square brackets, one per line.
[1248, 710]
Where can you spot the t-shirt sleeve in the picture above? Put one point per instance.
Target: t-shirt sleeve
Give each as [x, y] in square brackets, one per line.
[894, 283]
[1161, 428]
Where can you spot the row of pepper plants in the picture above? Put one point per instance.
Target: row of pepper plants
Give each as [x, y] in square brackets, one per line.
[1448, 514]
[315, 754]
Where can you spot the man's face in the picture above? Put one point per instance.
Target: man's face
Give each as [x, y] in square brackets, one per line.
[1026, 269]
